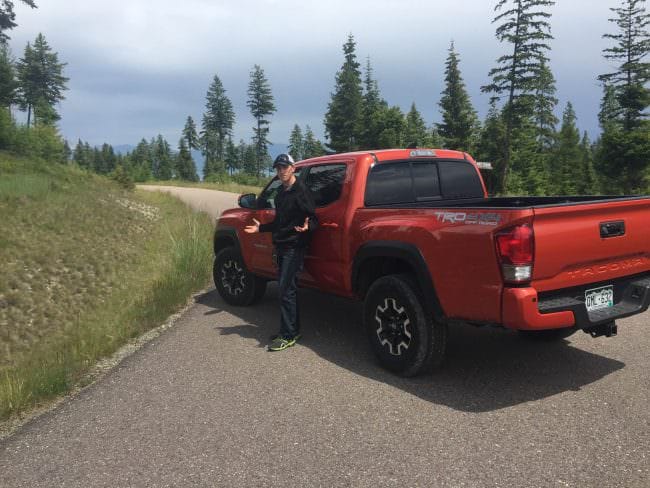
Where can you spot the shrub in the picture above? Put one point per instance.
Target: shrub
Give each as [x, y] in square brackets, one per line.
[123, 178]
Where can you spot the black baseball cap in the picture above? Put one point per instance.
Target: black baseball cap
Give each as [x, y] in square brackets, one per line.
[283, 159]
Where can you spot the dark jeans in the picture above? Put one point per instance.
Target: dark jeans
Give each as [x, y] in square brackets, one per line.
[290, 262]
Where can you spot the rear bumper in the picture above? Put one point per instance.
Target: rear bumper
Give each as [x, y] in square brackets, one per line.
[524, 308]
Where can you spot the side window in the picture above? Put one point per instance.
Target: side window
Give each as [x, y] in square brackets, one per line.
[459, 180]
[389, 183]
[267, 197]
[325, 183]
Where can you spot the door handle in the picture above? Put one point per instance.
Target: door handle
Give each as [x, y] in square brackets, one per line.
[612, 229]
[330, 225]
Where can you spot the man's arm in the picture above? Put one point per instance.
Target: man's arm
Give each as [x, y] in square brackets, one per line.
[306, 203]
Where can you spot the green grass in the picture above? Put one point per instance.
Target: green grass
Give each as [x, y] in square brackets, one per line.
[86, 267]
[230, 187]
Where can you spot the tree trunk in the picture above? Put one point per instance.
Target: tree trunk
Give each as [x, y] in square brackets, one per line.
[510, 105]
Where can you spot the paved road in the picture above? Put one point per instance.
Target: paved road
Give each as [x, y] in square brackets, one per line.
[205, 405]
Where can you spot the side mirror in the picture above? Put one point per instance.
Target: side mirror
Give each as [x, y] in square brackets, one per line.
[248, 200]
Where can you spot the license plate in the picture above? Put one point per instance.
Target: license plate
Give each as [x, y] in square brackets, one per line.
[599, 298]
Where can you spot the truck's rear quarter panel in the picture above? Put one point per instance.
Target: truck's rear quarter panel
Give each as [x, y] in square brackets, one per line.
[461, 256]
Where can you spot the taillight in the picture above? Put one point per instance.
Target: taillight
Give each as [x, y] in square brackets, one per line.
[516, 247]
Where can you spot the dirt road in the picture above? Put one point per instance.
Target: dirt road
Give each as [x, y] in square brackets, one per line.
[205, 405]
[210, 201]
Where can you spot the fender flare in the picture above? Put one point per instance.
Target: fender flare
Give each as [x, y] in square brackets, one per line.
[225, 236]
[410, 254]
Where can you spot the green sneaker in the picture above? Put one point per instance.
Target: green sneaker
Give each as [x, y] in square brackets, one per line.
[278, 336]
[280, 344]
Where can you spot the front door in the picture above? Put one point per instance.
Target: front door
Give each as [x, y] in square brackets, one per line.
[323, 260]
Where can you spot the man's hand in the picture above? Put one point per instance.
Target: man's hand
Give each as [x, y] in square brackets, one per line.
[305, 226]
[252, 229]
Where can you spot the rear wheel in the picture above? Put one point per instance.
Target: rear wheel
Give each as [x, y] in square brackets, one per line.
[403, 334]
[235, 284]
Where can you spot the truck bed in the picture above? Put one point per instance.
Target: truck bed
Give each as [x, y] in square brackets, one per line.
[502, 203]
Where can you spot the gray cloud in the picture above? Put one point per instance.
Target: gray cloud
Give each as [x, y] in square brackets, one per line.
[138, 68]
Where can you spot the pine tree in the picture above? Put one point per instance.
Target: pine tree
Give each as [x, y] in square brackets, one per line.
[313, 147]
[80, 155]
[248, 157]
[8, 16]
[217, 124]
[566, 168]
[344, 108]
[162, 159]
[489, 148]
[393, 125]
[610, 109]
[544, 103]
[8, 82]
[141, 162]
[458, 116]
[529, 173]
[524, 25]
[41, 81]
[261, 104]
[209, 150]
[622, 159]
[623, 154]
[106, 162]
[588, 183]
[67, 152]
[371, 106]
[415, 131]
[233, 163]
[190, 135]
[632, 44]
[296, 143]
[185, 167]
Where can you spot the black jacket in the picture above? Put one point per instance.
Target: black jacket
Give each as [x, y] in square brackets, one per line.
[292, 206]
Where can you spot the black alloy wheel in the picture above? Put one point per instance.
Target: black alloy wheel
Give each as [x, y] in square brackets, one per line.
[402, 332]
[235, 284]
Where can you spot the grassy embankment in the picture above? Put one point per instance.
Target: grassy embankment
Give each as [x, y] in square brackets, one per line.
[86, 266]
[231, 187]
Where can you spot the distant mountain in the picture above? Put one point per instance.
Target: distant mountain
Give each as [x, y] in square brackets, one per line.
[123, 148]
[274, 150]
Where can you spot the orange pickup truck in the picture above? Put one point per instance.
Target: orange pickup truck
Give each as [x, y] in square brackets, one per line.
[414, 235]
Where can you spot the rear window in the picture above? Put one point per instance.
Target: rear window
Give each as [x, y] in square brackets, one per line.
[418, 181]
[459, 180]
[389, 183]
[425, 181]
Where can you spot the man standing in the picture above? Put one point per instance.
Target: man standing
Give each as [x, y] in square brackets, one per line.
[294, 221]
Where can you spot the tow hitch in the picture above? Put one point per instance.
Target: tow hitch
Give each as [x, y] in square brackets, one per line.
[607, 329]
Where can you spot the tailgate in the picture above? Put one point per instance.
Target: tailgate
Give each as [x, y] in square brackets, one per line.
[588, 243]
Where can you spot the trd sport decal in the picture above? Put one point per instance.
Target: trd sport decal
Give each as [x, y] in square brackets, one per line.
[469, 218]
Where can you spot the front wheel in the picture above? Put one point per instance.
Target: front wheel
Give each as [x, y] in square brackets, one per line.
[235, 284]
[403, 334]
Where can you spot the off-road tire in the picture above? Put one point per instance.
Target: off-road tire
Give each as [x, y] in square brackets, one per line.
[235, 284]
[402, 331]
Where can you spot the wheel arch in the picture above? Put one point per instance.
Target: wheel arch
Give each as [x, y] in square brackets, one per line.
[381, 258]
[225, 236]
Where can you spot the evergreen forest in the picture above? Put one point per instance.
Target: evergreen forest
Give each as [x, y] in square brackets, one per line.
[533, 150]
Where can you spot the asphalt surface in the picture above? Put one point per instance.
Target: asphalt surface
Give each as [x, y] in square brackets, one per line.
[205, 404]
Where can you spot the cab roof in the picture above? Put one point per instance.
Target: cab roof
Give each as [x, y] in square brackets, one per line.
[392, 154]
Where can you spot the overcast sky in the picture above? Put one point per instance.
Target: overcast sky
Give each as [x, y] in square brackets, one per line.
[138, 68]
